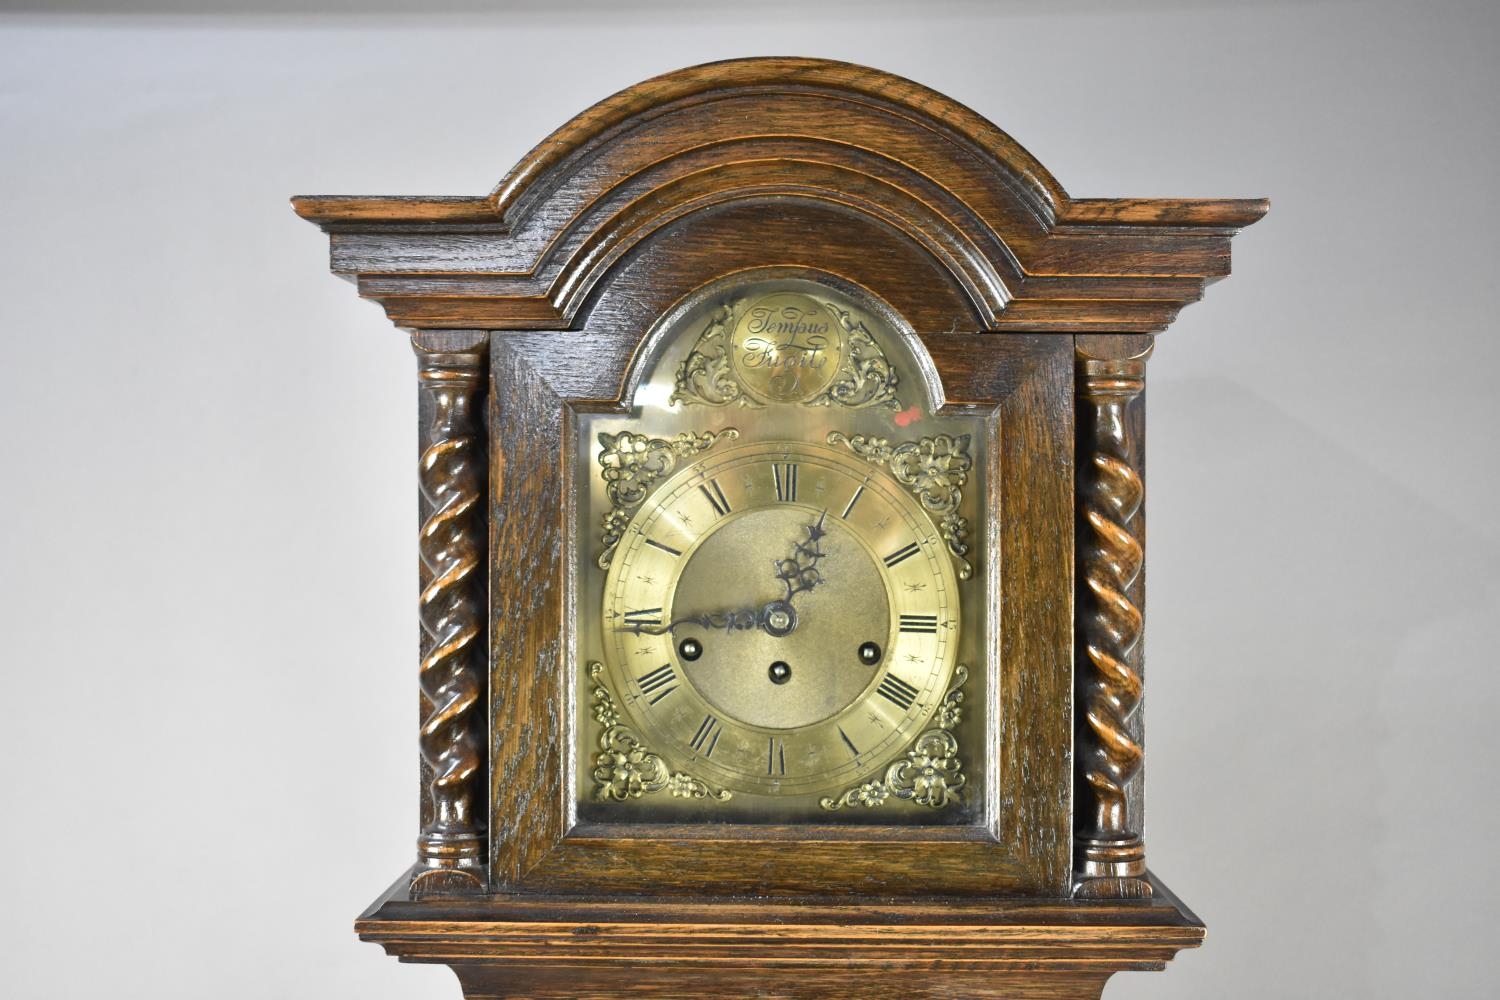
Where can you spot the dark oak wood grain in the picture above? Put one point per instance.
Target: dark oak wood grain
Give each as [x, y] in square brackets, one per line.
[776, 131]
[1109, 847]
[1024, 382]
[522, 945]
[451, 546]
[1036, 311]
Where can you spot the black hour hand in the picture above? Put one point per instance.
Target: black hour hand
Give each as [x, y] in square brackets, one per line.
[800, 573]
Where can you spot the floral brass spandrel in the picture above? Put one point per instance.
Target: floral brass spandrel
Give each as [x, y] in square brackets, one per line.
[864, 377]
[625, 768]
[934, 469]
[930, 774]
[631, 464]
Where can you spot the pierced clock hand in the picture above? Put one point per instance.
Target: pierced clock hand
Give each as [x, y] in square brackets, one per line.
[800, 573]
[742, 620]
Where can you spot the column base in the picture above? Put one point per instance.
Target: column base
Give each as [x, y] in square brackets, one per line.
[1111, 868]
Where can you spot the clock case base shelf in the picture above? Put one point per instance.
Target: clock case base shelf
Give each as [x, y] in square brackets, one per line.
[512, 945]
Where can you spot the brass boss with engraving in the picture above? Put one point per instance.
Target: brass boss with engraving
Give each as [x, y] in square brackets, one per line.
[787, 348]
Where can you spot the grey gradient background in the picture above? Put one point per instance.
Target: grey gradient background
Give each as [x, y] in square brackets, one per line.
[207, 576]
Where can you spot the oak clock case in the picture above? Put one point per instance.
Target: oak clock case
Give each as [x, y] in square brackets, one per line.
[780, 592]
[782, 500]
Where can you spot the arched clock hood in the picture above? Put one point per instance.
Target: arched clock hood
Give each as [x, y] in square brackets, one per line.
[1017, 250]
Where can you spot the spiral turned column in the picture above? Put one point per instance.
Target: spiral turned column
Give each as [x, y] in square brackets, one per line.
[1110, 852]
[450, 850]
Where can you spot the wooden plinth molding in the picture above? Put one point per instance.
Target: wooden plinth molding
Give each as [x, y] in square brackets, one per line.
[451, 847]
[530, 946]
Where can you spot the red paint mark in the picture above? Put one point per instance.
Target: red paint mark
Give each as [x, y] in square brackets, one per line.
[907, 416]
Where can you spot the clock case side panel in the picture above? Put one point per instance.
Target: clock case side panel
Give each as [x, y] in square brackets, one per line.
[539, 377]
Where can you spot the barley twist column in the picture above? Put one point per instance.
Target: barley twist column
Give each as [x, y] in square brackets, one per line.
[1111, 853]
[452, 545]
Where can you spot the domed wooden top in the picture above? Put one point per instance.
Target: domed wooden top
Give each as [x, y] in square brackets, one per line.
[1027, 257]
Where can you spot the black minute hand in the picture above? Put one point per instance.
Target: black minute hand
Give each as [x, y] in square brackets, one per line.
[731, 621]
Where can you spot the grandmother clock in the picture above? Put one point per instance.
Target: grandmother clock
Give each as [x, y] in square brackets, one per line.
[782, 547]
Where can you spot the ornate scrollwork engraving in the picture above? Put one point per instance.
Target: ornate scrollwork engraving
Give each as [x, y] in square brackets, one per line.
[712, 375]
[930, 774]
[934, 469]
[866, 377]
[631, 464]
[625, 768]
[707, 374]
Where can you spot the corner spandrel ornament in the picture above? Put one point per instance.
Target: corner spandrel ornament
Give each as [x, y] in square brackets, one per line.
[625, 768]
[632, 464]
[930, 774]
[934, 469]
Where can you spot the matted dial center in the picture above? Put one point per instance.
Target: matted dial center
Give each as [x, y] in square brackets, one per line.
[816, 635]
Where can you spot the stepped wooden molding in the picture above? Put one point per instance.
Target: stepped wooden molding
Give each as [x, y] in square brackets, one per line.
[528, 946]
[837, 138]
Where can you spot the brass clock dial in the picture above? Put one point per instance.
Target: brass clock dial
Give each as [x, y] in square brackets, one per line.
[778, 598]
[780, 619]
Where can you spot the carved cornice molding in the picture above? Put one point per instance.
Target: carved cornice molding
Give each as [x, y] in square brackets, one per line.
[1028, 257]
